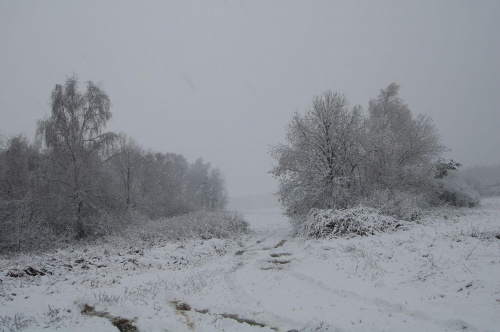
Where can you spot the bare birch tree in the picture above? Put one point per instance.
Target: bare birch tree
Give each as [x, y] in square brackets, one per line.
[75, 138]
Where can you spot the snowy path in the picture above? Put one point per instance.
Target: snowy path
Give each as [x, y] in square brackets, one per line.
[441, 275]
[407, 281]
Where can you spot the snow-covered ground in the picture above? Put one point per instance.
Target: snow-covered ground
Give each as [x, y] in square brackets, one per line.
[440, 275]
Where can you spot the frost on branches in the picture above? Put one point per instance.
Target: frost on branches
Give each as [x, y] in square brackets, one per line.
[337, 157]
[79, 181]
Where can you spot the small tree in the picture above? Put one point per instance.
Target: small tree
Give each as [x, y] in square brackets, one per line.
[74, 136]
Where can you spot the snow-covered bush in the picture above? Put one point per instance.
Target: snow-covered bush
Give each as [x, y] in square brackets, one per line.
[360, 220]
[205, 225]
[455, 191]
[21, 230]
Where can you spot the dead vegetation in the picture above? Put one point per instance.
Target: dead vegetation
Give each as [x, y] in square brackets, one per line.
[27, 272]
[281, 254]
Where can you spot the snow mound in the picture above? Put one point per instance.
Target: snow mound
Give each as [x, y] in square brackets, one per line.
[360, 220]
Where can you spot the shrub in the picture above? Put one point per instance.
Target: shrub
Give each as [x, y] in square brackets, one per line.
[455, 191]
[360, 220]
[21, 229]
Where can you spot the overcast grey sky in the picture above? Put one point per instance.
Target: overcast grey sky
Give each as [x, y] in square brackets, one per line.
[221, 79]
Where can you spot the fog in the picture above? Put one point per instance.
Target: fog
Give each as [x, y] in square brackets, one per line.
[221, 79]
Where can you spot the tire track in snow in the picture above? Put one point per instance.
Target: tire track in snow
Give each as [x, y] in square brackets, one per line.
[251, 266]
[268, 317]
[379, 303]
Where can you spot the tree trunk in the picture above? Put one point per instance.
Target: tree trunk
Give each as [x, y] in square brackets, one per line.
[80, 232]
[128, 187]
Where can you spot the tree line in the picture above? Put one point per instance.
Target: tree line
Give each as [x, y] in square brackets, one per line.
[337, 156]
[76, 179]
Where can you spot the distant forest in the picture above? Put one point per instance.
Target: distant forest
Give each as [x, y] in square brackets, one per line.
[78, 180]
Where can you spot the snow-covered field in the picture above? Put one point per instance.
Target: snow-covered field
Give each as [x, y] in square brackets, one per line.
[440, 275]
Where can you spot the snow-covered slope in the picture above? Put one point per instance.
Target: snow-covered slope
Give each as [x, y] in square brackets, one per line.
[440, 275]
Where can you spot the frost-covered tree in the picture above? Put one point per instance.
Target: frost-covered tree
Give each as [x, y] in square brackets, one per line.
[402, 148]
[75, 139]
[162, 185]
[337, 157]
[319, 165]
[126, 163]
[15, 162]
[20, 203]
[198, 185]
[176, 169]
[79, 180]
[218, 196]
